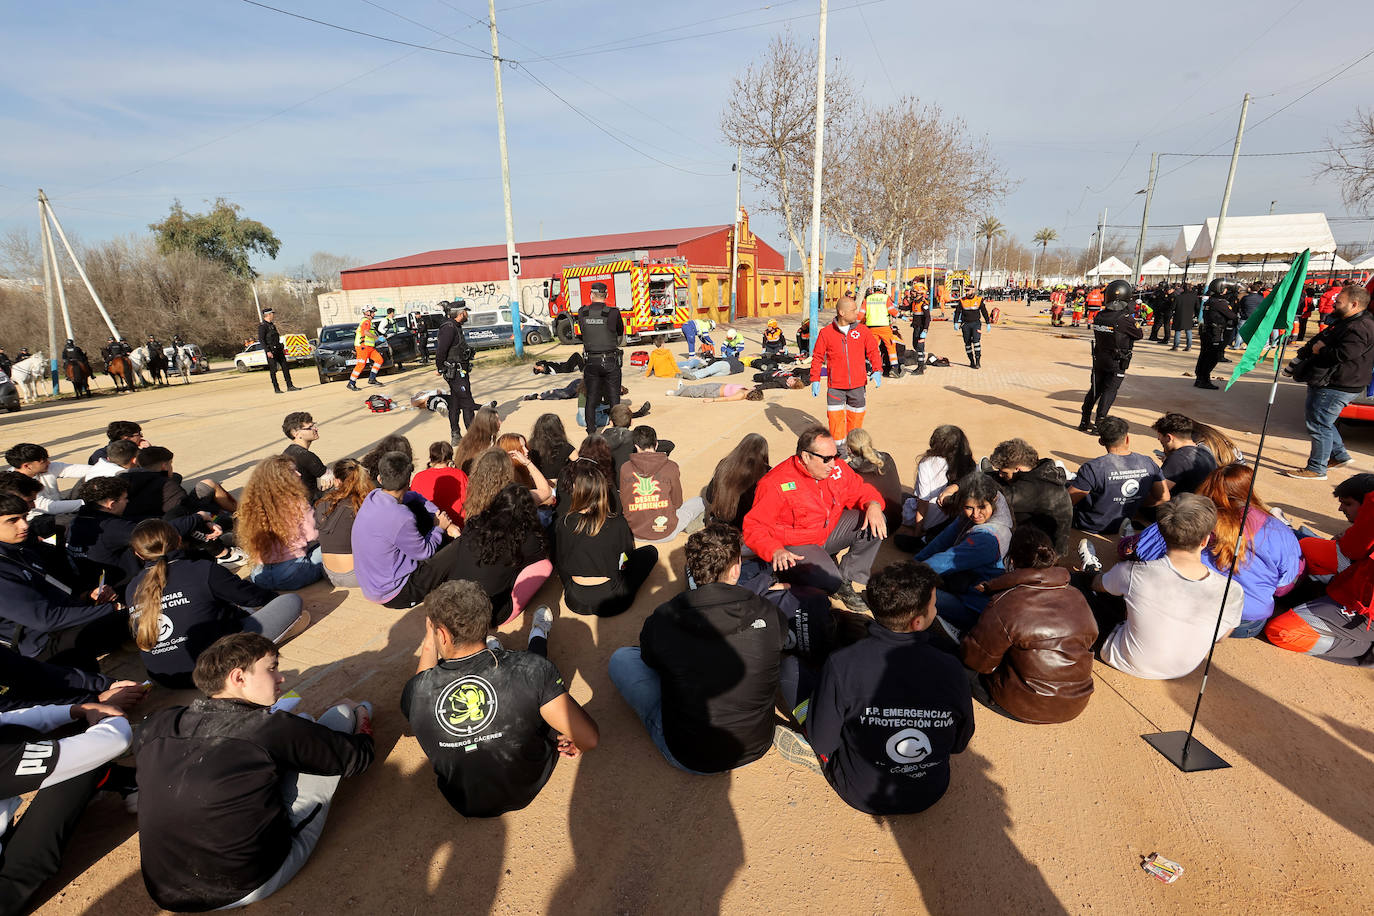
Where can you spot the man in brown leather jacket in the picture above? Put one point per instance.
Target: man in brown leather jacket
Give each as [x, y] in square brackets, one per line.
[1031, 650]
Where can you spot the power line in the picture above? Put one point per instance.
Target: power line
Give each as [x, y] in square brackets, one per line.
[341, 28]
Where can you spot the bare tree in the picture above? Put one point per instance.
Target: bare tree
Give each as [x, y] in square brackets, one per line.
[325, 268]
[771, 116]
[1351, 161]
[21, 254]
[904, 173]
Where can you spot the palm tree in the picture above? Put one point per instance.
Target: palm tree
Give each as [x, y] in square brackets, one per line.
[991, 227]
[1044, 237]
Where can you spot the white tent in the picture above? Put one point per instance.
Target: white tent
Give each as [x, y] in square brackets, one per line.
[1365, 263]
[1325, 262]
[1187, 238]
[1255, 238]
[1160, 266]
[1112, 267]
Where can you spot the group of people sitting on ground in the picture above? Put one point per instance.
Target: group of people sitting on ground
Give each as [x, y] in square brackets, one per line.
[875, 667]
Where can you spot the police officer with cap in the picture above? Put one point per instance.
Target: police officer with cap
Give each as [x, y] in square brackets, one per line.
[1218, 326]
[274, 350]
[453, 361]
[602, 328]
[1114, 335]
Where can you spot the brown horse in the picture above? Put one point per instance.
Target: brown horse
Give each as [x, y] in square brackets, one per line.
[121, 370]
[79, 374]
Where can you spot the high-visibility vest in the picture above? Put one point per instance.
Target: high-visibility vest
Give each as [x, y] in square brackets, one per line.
[875, 310]
[366, 335]
[1095, 299]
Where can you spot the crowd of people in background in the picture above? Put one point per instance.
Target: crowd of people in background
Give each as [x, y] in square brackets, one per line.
[786, 604]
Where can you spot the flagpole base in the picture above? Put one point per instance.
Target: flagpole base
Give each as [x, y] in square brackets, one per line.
[1189, 755]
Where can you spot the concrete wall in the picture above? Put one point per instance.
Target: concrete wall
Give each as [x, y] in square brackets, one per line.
[347, 305]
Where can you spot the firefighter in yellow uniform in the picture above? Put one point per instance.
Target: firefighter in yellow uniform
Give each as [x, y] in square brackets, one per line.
[879, 324]
[365, 347]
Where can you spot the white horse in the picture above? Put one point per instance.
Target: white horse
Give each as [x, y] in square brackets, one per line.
[27, 373]
[139, 360]
[183, 359]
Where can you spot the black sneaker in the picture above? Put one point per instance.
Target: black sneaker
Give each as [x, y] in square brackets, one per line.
[1087, 428]
[351, 386]
[853, 600]
[373, 381]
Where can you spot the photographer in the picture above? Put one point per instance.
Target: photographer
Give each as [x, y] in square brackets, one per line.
[1336, 365]
[453, 361]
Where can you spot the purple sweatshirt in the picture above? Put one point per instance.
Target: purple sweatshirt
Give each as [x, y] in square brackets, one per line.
[387, 544]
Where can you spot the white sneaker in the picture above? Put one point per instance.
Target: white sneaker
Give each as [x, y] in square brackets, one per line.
[1087, 556]
[542, 622]
[1278, 514]
[234, 557]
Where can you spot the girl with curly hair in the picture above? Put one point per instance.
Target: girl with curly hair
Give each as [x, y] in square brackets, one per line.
[491, 473]
[502, 549]
[276, 527]
[549, 446]
[481, 435]
[334, 514]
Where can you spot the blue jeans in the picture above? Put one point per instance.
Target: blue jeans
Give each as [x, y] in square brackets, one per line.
[1188, 332]
[952, 608]
[1324, 405]
[1248, 628]
[289, 575]
[640, 686]
[720, 367]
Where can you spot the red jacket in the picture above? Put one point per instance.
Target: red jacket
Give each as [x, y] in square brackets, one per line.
[1352, 587]
[844, 354]
[792, 507]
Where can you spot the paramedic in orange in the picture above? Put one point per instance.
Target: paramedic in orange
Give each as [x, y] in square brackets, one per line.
[774, 341]
[365, 346]
[845, 349]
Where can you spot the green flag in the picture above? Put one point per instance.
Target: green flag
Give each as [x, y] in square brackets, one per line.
[1279, 309]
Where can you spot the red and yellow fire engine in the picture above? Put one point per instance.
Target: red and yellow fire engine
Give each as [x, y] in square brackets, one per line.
[651, 294]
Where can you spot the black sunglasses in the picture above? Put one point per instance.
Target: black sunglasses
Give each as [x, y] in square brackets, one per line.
[824, 458]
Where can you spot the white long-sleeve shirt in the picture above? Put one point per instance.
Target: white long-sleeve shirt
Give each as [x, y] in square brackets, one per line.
[50, 501]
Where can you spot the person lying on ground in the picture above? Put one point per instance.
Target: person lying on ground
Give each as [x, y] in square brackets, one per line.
[651, 491]
[1035, 489]
[894, 760]
[303, 432]
[595, 553]
[969, 550]
[573, 363]
[43, 617]
[715, 391]
[334, 517]
[710, 367]
[809, 509]
[1162, 625]
[503, 549]
[277, 527]
[789, 379]
[179, 605]
[1112, 488]
[398, 562]
[1030, 653]
[1338, 625]
[493, 721]
[705, 673]
[233, 797]
[65, 773]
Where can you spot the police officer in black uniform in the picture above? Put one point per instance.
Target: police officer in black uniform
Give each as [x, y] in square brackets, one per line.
[1218, 326]
[71, 353]
[453, 361]
[602, 328]
[971, 314]
[1115, 332]
[275, 350]
[5, 362]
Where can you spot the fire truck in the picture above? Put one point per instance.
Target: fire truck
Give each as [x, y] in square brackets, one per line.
[651, 294]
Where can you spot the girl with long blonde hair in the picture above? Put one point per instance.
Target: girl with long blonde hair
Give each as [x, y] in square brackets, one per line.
[276, 527]
[181, 604]
[878, 469]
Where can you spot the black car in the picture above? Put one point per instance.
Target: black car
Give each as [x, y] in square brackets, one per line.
[334, 355]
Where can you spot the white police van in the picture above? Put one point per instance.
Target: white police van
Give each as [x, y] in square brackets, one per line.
[487, 328]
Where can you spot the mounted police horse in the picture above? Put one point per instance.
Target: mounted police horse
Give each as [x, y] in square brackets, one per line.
[27, 373]
[79, 374]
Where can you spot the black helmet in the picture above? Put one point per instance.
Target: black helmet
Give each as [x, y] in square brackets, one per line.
[1224, 288]
[1118, 291]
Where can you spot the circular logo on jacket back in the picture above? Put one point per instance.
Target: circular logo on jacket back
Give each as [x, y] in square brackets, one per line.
[466, 707]
[164, 628]
[910, 745]
[1130, 487]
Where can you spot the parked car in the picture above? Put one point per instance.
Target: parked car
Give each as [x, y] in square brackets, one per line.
[9, 394]
[335, 356]
[489, 328]
[298, 350]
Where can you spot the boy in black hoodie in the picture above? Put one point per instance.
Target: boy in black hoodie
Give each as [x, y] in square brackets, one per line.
[705, 673]
[890, 710]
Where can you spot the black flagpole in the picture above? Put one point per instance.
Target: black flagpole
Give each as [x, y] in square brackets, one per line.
[1181, 748]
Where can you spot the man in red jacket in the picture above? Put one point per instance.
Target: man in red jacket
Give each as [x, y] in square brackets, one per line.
[842, 348]
[808, 509]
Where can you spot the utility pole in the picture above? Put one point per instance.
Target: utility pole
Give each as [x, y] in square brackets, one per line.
[1101, 238]
[817, 257]
[81, 272]
[47, 293]
[56, 272]
[1226, 195]
[1144, 220]
[505, 185]
[734, 234]
[901, 272]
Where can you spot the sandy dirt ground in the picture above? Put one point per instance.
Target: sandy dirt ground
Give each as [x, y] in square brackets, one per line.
[1038, 819]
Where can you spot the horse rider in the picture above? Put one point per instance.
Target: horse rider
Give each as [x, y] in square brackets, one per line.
[71, 353]
[157, 360]
[5, 362]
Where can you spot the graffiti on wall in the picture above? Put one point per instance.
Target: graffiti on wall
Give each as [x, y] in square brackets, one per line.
[342, 306]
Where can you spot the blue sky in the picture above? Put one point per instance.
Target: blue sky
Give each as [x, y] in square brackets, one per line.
[347, 144]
